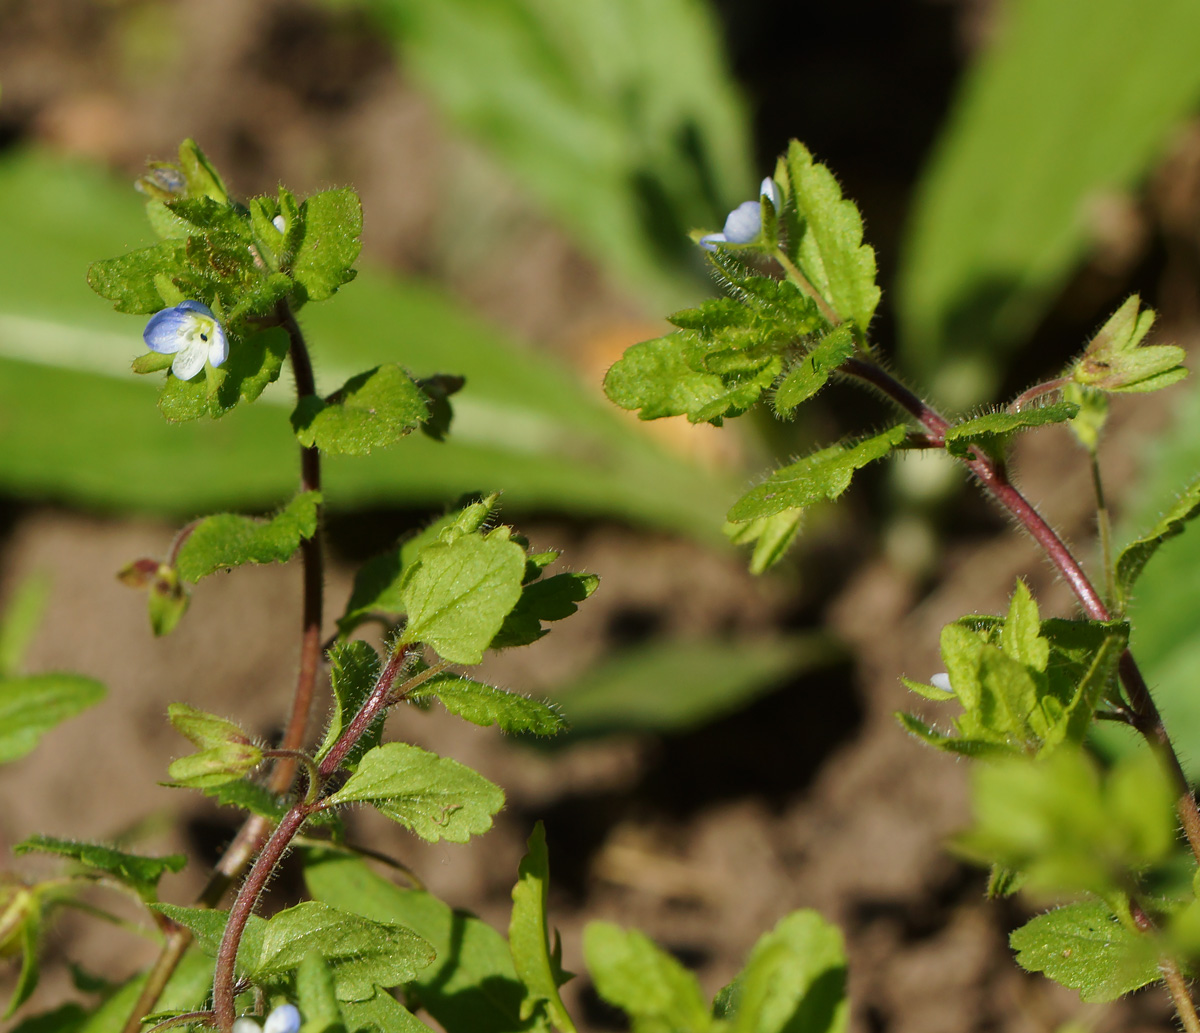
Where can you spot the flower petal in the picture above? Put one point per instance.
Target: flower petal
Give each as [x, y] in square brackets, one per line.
[744, 223]
[284, 1019]
[770, 190]
[191, 360]
[218, 345]
[941, 681]
[245, 1025]
[710, 241]
[165, 331]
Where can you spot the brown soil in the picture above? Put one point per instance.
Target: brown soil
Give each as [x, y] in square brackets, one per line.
[811, 797]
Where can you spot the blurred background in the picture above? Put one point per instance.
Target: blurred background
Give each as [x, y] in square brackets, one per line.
[529, 170]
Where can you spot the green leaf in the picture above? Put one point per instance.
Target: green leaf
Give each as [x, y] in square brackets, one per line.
[360, 952]
[67, 1018]
[1066, 828]
[316, 996]
[353, 671]
[247, 796]
[528, 937]
[29, 935]
[795, 980]
[459, 592]
[380, 1012]
[331, 241]
[824, 237]
[771, 537]
[822, 475]
[472, 985]
[625, 150]
[208, 926]
[142, 873]
[1114, 362]
[550, 599]
[32, 705]
[372, 410]
[1084, 947]
[20, 621]
[484, 705]
[226, 753]
[1108, 108]
[128, 281]
[655, 378]
[658, 994]
[809, 375]
[1133, 558]
[985, 430]
[434, 797]
[253, 363]
[188, 989]
[677, 685]
[227, 540]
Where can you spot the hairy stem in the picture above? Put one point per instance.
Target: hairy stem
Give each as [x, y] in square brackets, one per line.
[992, 476]
[1176, 984]
[276, 846]
[255, 829]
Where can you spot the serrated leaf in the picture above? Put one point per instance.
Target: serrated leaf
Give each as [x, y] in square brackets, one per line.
[353, 670]
[1134, 557]
[824, 237]
[808, 377]
[372, 410]
[795, 979]
[1021, 637]
[472, 985]
[459, 592]
[655, 378]
[32, 705]
[360, 952]
[928, 691]
[764, 315]
[550, 599]
[485, 705]
[1084, 947]
[331, 241]
[822, 475]
[128, 281]
[771, 537]
[986, 429]
[434, 797]
[1066, 828]
[657, 993]
[528, 936]
[248, 796]
[136, 870]
[254, 362]
[227, 540]
[20, 621]
[207, 214]
[961, 745]
[208, 927]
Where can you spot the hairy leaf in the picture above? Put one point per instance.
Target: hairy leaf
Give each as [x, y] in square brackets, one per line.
[331, 224]
[484, 705]
[226, 753]
[1114, 361]
[32, 705]
[985, 430]
[1134, 557]
[227, 540]
[551, 599]
[254, 362]
[140, 872]
[771, 537]
[434, 797]
[372, 410]
[809, 375]
[353, 670]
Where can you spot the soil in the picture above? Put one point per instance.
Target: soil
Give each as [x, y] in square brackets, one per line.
[809, 797]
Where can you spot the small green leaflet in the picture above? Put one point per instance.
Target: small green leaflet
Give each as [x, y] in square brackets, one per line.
[795, 980]
[353, 670]
[1134, 557]
[822, 475]
[227, 540]
[248, 796]
[808, 376]
[331, 241]
[472, 985]
[434, 797]
[225, 754]
[528, 937]
[1084, 947]
[985, 430]
[459, 592]
[32, 705]
[141, 873]
[1065, 827]
[371, 410]
[655, 378]
[771, 537]
[361, 953]
[824, 237]
[484, 705]
[379, 1012]
[657, 993]
[254, 362]
[1114, 361]
[550, 599]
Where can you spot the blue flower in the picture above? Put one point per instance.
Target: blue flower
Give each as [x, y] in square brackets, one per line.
[191, 333]
[284, 1019]
[744, 223]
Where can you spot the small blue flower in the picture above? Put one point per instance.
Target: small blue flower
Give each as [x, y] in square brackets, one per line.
[941, 681]
[744, 223]
[191, 333]
[284, 1019]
